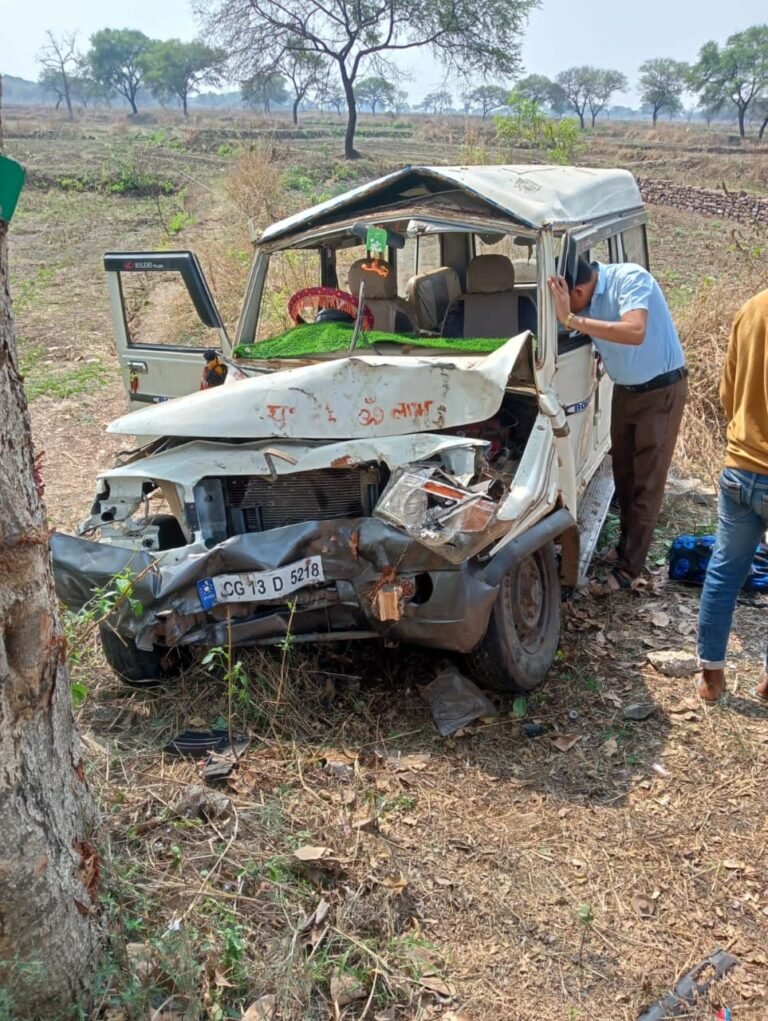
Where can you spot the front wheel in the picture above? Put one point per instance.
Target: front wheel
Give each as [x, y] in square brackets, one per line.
[524, 630]
[141, 668]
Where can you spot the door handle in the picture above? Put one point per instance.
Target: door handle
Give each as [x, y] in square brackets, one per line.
[137, 366]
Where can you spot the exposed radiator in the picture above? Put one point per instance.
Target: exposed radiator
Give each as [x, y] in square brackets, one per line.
[255, 504]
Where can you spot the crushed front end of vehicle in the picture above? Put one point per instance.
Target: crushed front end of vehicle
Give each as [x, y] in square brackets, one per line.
[353, 498]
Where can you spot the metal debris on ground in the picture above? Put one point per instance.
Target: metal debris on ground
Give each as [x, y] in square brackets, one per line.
[455, 701]
[688, 989]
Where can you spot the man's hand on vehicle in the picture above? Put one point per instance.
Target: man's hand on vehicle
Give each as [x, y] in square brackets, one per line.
[562, 297]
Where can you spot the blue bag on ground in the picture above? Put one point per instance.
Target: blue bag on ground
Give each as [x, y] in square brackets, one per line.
[689, 556]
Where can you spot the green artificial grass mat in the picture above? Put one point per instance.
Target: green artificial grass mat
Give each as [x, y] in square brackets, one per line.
[326, 338]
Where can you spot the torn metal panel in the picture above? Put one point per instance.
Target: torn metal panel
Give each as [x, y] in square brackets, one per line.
[347, 398]
[186, 464]
[439, 605]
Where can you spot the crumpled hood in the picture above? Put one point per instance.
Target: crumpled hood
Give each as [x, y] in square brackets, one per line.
[347, 398]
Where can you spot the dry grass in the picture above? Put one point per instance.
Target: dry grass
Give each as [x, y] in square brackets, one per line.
[704, 325]
[487, 874]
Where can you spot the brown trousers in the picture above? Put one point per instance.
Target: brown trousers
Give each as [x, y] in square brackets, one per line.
[644, 428]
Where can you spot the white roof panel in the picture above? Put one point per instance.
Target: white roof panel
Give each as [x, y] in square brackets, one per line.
[531, 195]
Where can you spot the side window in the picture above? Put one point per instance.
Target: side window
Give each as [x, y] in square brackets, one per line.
[635, 245]
[406, 264]
[158, 312]
[606, 250]
[428, 253]
[288, 272]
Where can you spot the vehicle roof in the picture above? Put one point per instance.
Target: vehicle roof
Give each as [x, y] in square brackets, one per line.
[530, 195]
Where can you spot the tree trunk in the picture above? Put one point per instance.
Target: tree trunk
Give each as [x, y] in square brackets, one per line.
[48, 866]
[763, 126]
[184, 105]
[350, 153]
[295, 110]
[594, 118]
[581, 119]
[742, 129]
[655, 115]
[132, 101]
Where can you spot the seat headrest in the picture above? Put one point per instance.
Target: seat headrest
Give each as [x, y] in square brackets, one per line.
[379, 280]
[490, 274]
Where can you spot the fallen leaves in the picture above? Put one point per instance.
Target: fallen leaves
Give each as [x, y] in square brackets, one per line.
[262, 1010]
[564, 742]
[346, 987]
[311, 853]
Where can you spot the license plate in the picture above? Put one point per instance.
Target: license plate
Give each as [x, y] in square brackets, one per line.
[253, 586]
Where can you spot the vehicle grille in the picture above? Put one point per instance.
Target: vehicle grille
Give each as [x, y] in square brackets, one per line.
[255, 504]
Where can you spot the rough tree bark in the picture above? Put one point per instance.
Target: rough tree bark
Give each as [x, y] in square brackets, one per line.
[48, 865]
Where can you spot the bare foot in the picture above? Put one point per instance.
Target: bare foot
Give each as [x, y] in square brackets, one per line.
[710, 685]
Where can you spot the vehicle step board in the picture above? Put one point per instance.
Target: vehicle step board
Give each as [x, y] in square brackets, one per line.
[593, 510]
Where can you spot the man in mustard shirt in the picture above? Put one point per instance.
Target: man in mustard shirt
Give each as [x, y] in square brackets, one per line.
[743, 502]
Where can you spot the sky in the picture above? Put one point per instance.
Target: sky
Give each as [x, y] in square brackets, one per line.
[561, 33]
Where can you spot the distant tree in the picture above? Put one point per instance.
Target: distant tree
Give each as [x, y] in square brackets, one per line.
[303, 69]
[605, 83]
[590, 88]
[59, 61]
[662, 84]
[536, 87]
[175, 70]
[374, 92]
[436, 102]
[481, 36]
[115, 60]
[87, 91]
[329, 94]
[737, 73]
[486, 98]
[265, 89]
[400, 103]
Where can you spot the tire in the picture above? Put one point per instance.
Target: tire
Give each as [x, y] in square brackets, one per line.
[142, 668]
[523, 633]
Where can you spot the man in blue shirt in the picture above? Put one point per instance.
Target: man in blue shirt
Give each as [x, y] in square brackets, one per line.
[621, 307]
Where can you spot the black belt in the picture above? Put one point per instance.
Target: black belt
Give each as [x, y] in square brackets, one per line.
[665, 379]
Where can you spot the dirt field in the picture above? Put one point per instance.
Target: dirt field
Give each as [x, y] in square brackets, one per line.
[490, 876]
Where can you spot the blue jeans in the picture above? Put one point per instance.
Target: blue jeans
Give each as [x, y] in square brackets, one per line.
[743, 519]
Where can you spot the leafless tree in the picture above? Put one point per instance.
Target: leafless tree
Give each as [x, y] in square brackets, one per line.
[59, 61]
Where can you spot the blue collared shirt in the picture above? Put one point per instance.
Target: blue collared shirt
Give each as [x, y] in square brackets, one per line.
[622, 287]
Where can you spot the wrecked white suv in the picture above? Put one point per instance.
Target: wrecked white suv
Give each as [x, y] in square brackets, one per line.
[405, 445]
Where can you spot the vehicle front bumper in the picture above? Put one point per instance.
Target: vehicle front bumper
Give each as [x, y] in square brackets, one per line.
[379, 581]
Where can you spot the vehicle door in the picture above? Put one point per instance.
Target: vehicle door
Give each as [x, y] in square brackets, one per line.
[583, 385]
[164, 320]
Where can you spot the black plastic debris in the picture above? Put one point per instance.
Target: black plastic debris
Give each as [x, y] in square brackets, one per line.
[193, 744]
[532, 729]
[689, 988]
